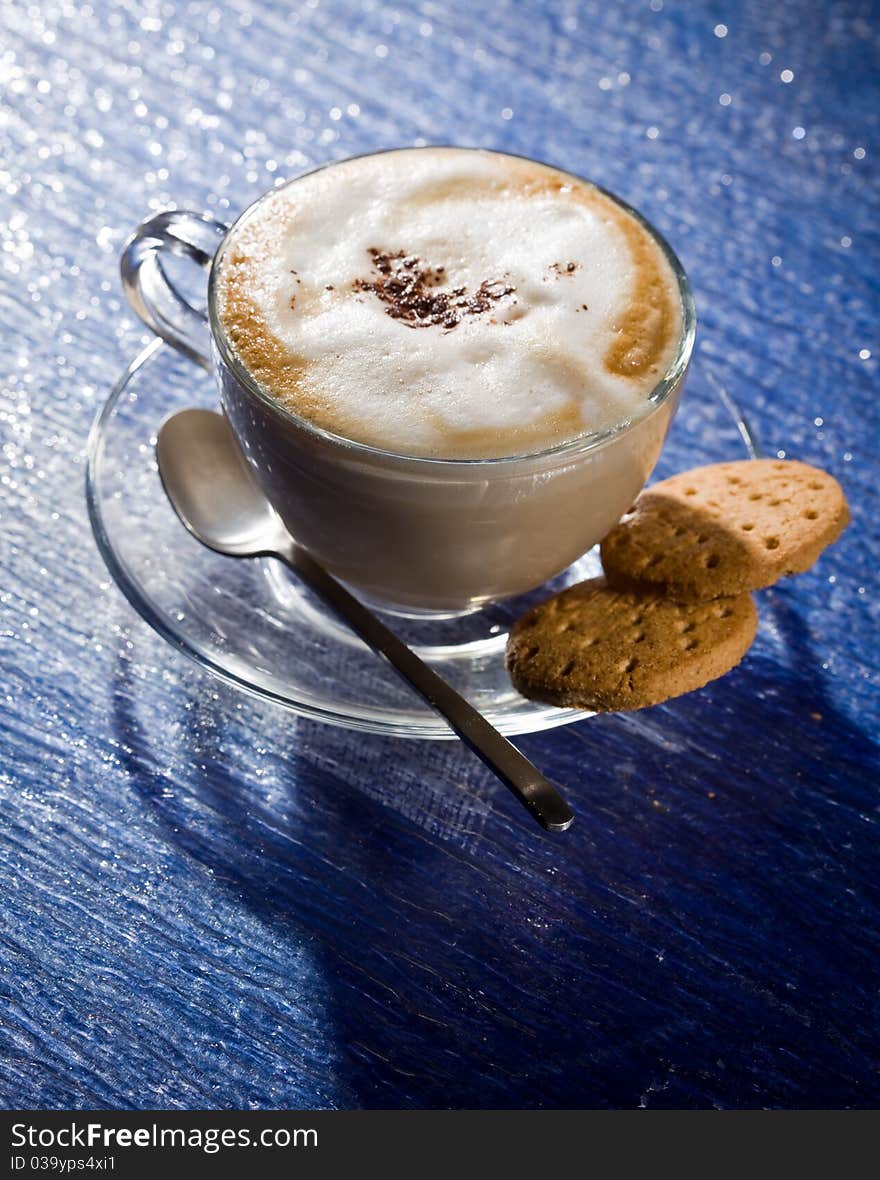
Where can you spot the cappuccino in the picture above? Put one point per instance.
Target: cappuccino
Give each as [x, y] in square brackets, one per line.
[450, 303]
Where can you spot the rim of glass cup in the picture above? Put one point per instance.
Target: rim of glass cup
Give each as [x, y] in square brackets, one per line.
[582, 442]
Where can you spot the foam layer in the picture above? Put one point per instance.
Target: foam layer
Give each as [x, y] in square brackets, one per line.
[449, 302]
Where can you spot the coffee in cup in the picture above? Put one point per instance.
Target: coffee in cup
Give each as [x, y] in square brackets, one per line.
[451, 370]
[450, 303]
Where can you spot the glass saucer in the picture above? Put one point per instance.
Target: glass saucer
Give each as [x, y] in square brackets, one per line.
[252, 623]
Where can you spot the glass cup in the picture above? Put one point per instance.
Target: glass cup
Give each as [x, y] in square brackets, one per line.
[414, 535]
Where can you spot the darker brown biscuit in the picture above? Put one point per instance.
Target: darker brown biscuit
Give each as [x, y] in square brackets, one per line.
[726, 528]
[595, 647]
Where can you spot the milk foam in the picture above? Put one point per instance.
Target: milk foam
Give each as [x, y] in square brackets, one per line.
[539, 309]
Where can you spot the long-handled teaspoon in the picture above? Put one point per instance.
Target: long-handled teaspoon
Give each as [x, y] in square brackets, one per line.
[213, 492]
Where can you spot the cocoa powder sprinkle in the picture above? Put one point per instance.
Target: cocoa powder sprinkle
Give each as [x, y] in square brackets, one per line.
[564, 268]
[412, 292]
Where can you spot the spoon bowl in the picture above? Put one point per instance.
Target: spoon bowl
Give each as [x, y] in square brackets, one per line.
[207, 479]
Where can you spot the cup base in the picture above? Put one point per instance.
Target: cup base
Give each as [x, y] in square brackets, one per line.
[415, 613]
[434, 635]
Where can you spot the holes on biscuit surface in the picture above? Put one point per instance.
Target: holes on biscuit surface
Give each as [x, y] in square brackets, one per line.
[679, 531]
[747, 528]
[814, 486]
[630, 666]
[771, 542]
[532, 651]
[654, 559]
[756, 496]
[640, 638]
[702, 539]
[734, 479]
[568, 669]
[690, 644]
[688, 627]
[723, 612]
[690, 491]
[811, 515]
[712, 561]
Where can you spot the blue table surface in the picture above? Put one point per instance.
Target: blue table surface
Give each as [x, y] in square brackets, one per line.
[210, 903]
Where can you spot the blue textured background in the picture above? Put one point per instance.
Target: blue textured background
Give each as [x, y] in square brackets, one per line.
[208, 903]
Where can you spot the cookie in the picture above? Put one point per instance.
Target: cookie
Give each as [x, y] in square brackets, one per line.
[726, 528]
[596, 647]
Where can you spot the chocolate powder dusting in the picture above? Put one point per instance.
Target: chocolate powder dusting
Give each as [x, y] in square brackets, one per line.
[412, 291]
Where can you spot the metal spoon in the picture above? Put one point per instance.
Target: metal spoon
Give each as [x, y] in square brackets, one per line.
[210, 486]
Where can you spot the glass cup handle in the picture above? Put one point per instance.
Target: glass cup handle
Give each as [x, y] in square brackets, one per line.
[150, 292]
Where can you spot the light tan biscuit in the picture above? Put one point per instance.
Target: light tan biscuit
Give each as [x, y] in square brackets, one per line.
[603, 649]
[726, 528]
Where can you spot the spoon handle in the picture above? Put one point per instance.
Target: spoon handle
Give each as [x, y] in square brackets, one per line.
[536, 793]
